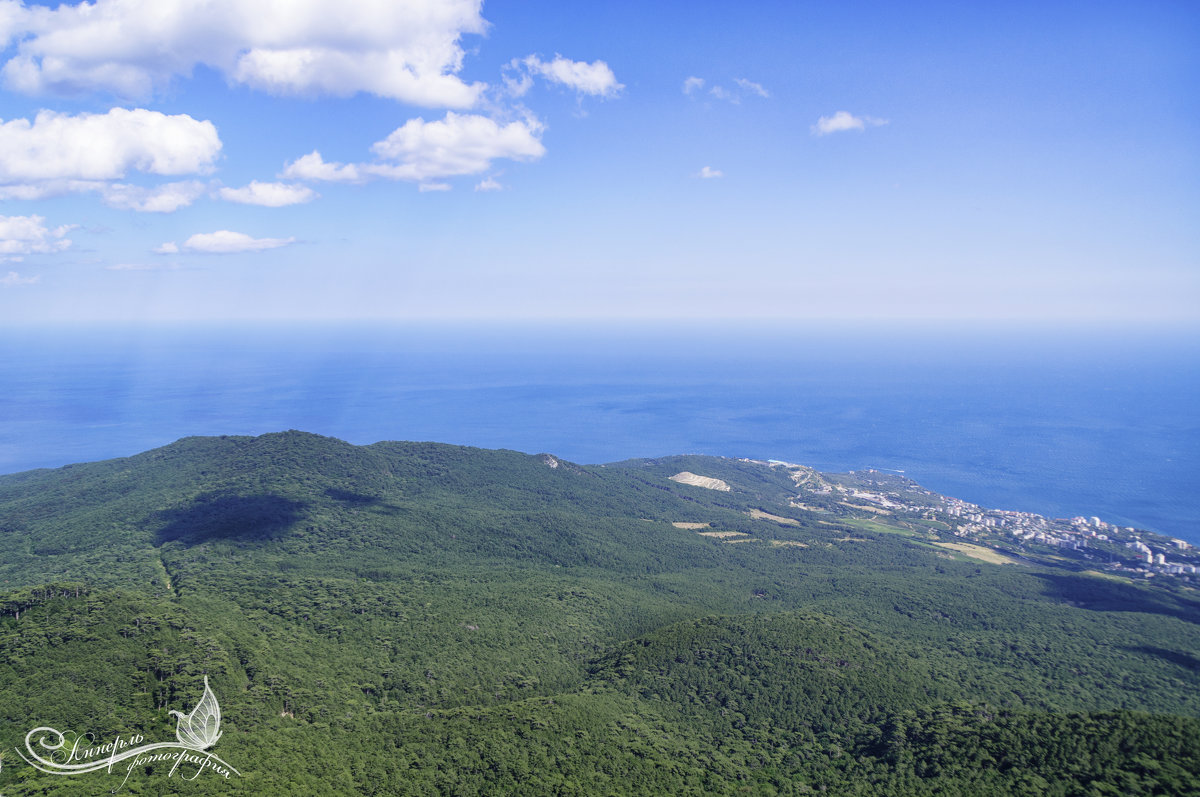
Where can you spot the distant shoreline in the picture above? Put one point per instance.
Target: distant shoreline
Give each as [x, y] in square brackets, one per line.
[1061, 429]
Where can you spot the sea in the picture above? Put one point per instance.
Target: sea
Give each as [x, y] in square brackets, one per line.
[1059, 421]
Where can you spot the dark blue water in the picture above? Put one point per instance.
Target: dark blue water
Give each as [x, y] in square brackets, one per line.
[1093, 424]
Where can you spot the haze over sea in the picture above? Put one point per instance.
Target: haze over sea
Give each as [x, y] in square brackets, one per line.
[1063, 424]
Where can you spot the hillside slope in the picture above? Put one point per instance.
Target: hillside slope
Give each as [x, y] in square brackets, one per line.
[415, 617]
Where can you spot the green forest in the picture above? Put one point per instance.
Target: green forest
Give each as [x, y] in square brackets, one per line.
[416, 618]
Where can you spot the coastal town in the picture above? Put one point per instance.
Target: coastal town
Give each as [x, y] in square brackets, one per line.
[891, 499]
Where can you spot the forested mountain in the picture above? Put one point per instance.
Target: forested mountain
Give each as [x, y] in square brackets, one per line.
[414, 618]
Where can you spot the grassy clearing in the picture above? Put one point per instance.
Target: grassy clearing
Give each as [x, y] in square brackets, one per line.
[978, 552]
[866, 508]
[758, 514]
[1109, 576]
[681, 524]
[876, 526]
[933, 524]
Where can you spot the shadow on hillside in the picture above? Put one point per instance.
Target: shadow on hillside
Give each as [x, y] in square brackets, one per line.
[221, 516]
[348, 497]
[1185, 660]
[1104, 595]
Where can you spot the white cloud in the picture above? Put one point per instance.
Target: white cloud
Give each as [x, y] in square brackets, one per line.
[744, 88]
[166, 198]
[517, 83]
[426, 152]
[313, 167]
[27, 235]
[59, 154]
[224, 242]
[595, 78]
[12, 279]
[169, 248]
[271, 195]
[489, 184]
[459, 144]
[708, 173]
[57, 146]
[751, 87]
[14, 18]
[342, 73]
[407, 50]
[842, 121]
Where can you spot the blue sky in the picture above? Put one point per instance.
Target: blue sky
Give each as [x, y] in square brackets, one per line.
[408, 160]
